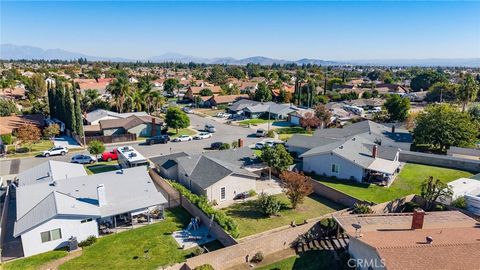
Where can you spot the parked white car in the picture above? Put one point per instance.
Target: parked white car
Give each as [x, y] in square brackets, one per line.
[83, 159]
[259, 145]
[210, 128]
[183, 138]
[202, 135]
[55, 151]
[187, 110]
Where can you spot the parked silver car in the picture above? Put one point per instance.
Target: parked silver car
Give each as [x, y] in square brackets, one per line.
[83, 159]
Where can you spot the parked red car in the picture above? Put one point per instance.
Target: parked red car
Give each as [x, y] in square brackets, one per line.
[109, 156]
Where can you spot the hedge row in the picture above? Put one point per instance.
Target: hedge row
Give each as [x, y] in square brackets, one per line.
[226, 222]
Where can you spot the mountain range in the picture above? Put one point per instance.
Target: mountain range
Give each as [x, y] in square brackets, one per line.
[16, 52]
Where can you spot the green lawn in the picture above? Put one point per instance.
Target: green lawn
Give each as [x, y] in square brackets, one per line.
[34, 262]
[23, 151]
[257, 152]
[254, 121]
[406, 183]
[310, 260]
[251, 221]
[184, 131]
[126, 250]
[101, 167]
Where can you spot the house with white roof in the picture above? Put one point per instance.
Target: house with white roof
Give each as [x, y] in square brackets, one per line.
[54, 205]
[94, 117]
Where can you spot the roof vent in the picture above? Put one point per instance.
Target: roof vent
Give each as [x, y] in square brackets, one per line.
[429, 239]
[341, 147]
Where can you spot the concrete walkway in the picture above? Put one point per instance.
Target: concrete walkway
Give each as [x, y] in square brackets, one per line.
[53, 265]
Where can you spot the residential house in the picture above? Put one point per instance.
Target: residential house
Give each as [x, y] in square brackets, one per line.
[296, 117]
[238, 106]
[415, 241]
[216, 100]
[142, 126]
[194, 91]
[50, 211]
[218, 175]
[17, 92]
[9, 124]
[100, 84]
[94, 117]
[269, 110]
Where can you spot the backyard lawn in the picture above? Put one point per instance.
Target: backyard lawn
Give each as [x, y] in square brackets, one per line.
[184, 131]
[407, 182]
[34, 262]
[310, 260]
[101, 167]
[149, 247]
[251, 221]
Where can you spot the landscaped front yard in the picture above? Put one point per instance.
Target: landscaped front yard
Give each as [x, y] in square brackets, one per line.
[255, 121]
[149, 247]
[23, 149]
[34, 262]
[101, 167]
[184, 131]
[251, 220]
[406, 183]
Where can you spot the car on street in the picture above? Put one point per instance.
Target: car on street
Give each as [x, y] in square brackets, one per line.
[83, 159]
[55, 151]
[157, 139]
[261, 132]
[187, 110]
[183, 138]
[202, 135]
[260, 145]
[209, 128]
[216, 145]
[110, 155]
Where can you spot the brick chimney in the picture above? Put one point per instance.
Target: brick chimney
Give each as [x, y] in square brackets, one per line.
[154, 128]
[375, 151]
[393, 128]
[417, 219]
[240, 143]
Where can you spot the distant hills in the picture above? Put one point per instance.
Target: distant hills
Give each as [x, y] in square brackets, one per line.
[16, 52]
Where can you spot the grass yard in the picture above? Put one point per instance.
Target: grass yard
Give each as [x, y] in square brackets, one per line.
[251, 221]
[22, 150]
[309, 260]
[286, 133]
[34, 262]
[407, 182]
[183, 131]
[126, 250]
[101, 167]
[256, 121]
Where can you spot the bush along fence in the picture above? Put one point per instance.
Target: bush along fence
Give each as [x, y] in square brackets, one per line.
[226, 222]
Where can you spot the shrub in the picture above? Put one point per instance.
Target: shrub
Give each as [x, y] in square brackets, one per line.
[269, 204]
[460, 202]
[224, 146]
[7, 139]
[359, 208]
[408, 207]
[258, 257]
[87, 242]
[439, 207]
[198, 251]
[226, 222]
[271, 134]
[204, 267]
[235, 144]
[252, 193]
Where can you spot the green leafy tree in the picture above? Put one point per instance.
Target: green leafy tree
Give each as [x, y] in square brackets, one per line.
[284, 96]
[332, 82]
[218, 75]
[176, 119]
[468, 91]
[60, 102]
[96, 147]
[78, 114]
[28, 134]
[397, 107]
[51, 131]
[36, 87]
[262, 93]
[425, 80]
[277, 157]
[296, 186]
[51, 102]
[323, 114]
[442, 92]
[70, 120]
[433, 191]
[269, 204]
[474, 112]
[236, 72]
[442, 126]
[120, 89]
[170, 85]
[7, 107]
[206, 92]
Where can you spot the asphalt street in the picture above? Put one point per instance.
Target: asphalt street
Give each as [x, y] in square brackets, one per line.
[225, 133]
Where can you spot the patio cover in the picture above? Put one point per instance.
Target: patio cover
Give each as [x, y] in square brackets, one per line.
[384, 166]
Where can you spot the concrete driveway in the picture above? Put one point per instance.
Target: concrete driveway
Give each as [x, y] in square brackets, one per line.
[65, 141]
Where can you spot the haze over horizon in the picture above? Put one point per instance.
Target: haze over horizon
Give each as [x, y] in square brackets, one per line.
[338, 31]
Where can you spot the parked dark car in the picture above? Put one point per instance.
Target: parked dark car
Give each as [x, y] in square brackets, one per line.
[216, 145]
[158, 139]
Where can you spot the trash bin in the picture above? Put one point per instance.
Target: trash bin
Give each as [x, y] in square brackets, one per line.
[72, 243]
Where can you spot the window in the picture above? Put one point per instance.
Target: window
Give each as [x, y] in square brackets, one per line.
[51, 235]
[86, 220]
[335, 168]
[222, 193]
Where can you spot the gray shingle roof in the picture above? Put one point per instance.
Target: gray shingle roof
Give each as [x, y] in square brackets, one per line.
[50, 171]
[126, 190]
[167, 161]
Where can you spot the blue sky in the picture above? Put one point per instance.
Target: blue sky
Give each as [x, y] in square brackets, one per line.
[289, 30]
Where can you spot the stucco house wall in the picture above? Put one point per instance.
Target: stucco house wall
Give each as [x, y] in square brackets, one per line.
[322, 164]
[70, 226]
[234, 184]
[364, 255]
[113, 131]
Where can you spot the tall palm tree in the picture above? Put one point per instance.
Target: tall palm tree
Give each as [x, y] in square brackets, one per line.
[137, 100]
[145, 85]
[157, 100]
[120, 89]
